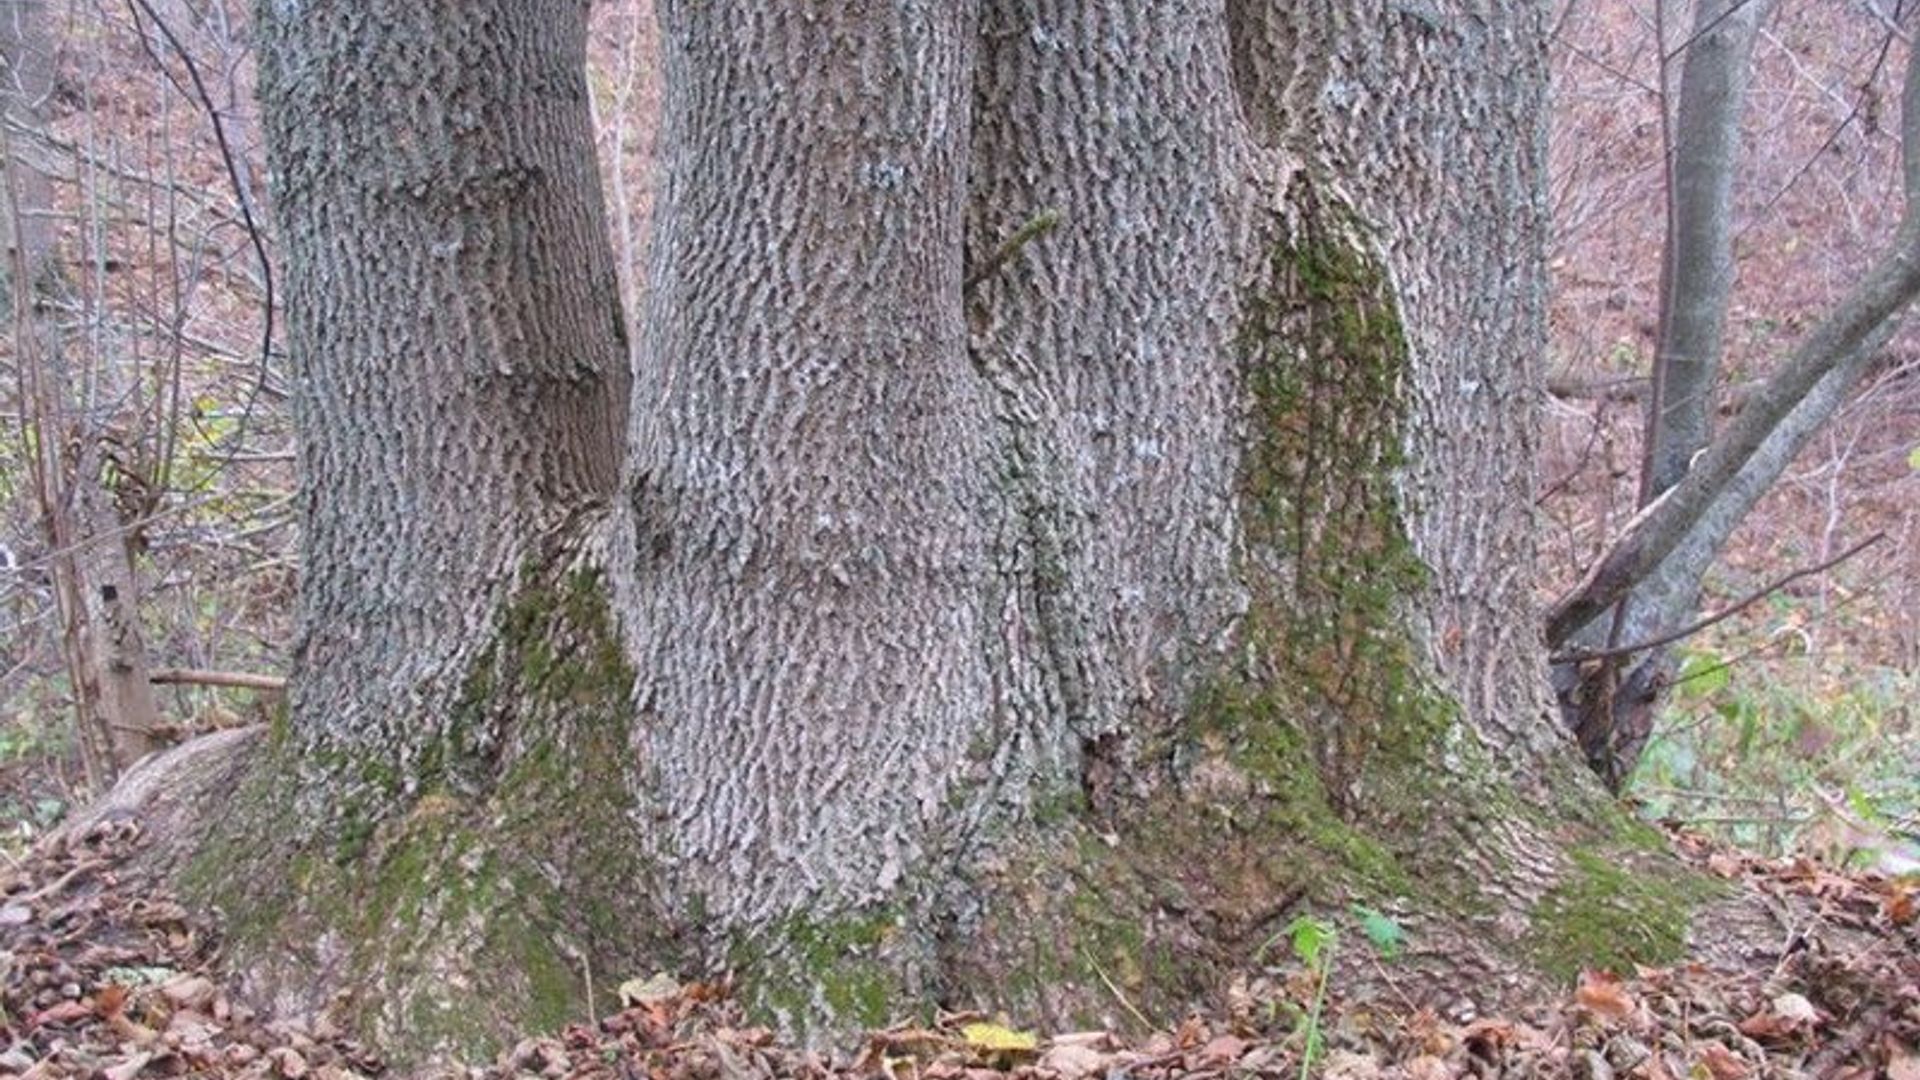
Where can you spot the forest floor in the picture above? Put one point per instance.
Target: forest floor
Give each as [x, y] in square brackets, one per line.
[105, 979]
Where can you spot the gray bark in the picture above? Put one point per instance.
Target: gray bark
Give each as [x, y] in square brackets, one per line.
[860, 553]
[811, 472]
[929, 590]
[1697, 261]
[1448, 163]
[457, 333]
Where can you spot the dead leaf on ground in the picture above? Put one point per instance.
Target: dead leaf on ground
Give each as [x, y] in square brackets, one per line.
[1723, 1063]
[1603, 994]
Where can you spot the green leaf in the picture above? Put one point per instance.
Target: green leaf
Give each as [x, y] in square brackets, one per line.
[1312, 941]
[1386, 935]
[1703, 673]
[1913, 459]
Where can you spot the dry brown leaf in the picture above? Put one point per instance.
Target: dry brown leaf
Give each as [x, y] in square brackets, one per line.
[1603, 994]
[1222, 1050]
[1487, 1037]
[287, 1062]
[1768, 1026]
[64, 1012]
[1726, 865]
[1903, 1064]
[129, 1068]
[1901, 903]
[1071, 1061]
[1723, 1063]
[111, 999]
[195, 992]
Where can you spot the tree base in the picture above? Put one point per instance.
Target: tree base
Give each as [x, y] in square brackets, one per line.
[462, 922]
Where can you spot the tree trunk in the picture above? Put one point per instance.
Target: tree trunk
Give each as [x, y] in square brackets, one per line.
[1075, 511]
[447, 801]
[1609, 706]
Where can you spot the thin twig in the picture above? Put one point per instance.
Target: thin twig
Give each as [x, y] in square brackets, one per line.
[1145, 1023]
[1042, 223]
[240, 192]
[1738, 606]
[244, 680]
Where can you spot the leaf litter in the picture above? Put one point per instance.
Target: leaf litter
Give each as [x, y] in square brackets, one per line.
[108, 979]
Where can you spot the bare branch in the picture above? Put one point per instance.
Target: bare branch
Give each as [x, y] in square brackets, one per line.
[243, 680]
[1723, 614]
[1887, 288]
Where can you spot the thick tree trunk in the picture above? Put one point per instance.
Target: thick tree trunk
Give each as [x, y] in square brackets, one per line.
[1219, 501]
[1074, 511]
[447, 803]
[452, 306]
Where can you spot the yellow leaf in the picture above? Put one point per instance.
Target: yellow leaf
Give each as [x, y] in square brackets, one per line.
[994, 1038]
[661, 987]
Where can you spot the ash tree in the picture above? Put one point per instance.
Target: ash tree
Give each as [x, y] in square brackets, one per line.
[1062, 509]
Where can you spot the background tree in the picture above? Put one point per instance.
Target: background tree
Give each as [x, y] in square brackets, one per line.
[1615, 628]
[77, 456]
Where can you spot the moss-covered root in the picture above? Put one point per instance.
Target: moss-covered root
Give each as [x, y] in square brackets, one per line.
[818, 978]
[1615, 906]
[465, 891]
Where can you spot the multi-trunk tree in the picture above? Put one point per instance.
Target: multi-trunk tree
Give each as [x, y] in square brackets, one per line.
[1063, 506]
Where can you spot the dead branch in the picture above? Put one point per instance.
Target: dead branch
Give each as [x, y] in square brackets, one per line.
[244, 680]
[1747, 601]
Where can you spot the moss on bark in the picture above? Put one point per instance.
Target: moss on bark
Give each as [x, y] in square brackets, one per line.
[1324, 764]
[1614, 914]
[466, 889]
[801, 973]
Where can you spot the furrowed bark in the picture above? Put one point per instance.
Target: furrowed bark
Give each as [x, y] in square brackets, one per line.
[446, 806]
[1455, 208]
[1108, 346]
[1009, 643]
[810, 488]
[457, 327]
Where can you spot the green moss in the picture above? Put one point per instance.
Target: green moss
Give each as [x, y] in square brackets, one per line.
[801, 970]
[454, 881]
[1320, 764]
[1611, 912]
[1326, 361]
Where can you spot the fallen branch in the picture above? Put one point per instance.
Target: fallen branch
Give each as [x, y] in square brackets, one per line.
[245, 680]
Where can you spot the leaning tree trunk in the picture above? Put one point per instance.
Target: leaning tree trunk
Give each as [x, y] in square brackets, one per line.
[1075, 512]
